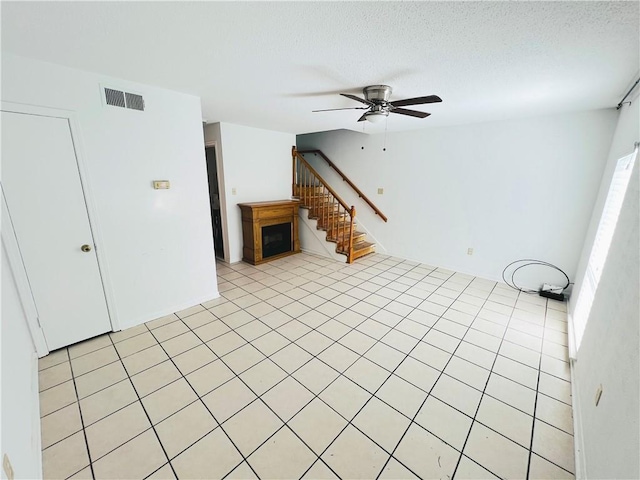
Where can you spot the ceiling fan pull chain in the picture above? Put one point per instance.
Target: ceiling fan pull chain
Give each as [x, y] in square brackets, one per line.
[386, 123]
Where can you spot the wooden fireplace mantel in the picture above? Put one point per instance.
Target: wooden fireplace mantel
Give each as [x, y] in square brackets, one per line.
[257, 215]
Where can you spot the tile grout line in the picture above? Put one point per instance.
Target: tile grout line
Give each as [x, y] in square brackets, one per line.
[145, 412]
[331, 300]
[482, 396]
[236, 375]
[406, 355]
[349, 421]
[314, 281]
[199, 398]
[535, 403]
[289, 375]
[317, 395]
[258, 397]
[329, 318]
[314, 395]
[537, 393]
[221, 318]
[84, 433]
[168, 338]
[425, 400]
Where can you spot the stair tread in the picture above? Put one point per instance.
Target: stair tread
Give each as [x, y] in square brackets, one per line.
[356, 235]
[361, 245]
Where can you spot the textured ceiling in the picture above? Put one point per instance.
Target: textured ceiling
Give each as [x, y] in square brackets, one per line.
[268, 64]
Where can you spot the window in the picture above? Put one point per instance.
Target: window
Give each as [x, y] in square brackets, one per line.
[602, 242]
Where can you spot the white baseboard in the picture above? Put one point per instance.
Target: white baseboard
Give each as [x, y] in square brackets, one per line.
[320, 253]
[571, 335]
[578, 439]
[36, 434]
[169, 310]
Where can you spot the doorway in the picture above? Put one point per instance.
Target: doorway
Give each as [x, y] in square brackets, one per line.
[48, 213]
[214, 201]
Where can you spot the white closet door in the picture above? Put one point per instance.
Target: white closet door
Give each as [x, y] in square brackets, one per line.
[48, 211]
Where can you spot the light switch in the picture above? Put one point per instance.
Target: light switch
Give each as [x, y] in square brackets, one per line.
[380, 191]
[233, 191]
[161, 184]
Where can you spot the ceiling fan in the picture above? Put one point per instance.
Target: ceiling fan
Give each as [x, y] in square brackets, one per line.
[376, 97]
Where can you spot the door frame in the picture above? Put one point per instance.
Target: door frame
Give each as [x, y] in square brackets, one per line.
[222, 197]
[19, 273]
[15, 257]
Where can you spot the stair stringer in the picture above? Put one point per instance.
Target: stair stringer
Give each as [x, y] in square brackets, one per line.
[370, 237]
[314, 240]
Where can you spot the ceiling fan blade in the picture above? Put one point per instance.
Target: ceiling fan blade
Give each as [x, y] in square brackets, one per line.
[363, 117]
[358, 99]
[416, 101]
[411, 113]
[333, 109]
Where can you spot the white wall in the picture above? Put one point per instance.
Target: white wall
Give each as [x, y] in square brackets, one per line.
[608, 355]
[509, 190]
[20, 415]
[158, 244]
[257, 163]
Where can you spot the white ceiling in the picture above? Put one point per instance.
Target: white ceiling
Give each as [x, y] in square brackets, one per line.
[268, 64]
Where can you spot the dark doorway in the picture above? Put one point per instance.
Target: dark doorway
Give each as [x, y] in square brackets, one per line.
[276, 239]
[214, 197]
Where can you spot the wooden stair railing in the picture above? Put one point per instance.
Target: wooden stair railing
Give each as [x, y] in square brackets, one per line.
[346, 179]
[325, 205]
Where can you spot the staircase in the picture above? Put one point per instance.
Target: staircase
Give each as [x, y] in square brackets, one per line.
[331, 212]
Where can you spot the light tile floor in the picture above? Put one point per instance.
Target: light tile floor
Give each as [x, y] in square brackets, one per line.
[307, 368]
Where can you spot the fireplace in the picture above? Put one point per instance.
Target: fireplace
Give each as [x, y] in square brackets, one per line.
[276, 239]
[269, 230]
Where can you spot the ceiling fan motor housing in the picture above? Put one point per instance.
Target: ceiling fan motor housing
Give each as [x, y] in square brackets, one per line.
[378, 94]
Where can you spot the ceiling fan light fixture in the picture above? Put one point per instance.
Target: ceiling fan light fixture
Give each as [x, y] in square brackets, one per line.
[377, 117]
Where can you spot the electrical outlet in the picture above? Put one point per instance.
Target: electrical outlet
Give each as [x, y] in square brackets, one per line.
[8, 469]
[380, 191]
[469, 251]
[233, 191]
[598, 394]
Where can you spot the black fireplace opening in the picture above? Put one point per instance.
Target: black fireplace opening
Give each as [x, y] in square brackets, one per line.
[276, 239]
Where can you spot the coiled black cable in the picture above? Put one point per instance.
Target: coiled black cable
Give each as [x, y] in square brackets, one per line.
[530, 261]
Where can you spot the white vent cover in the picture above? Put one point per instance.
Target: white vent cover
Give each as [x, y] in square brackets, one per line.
[135, 102]
[114, 97]
[118, 98]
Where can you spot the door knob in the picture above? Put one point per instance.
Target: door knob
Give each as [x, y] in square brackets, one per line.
[85, 248]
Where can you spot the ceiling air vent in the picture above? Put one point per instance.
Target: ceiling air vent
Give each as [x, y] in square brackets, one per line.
[135, 102]
[118, 98]
[114, 97]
